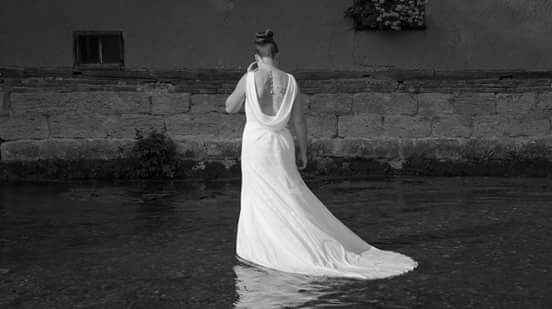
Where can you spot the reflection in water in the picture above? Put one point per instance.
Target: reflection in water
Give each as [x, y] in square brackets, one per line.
[261, 287]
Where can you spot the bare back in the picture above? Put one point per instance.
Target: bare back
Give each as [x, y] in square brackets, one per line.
[271, 85]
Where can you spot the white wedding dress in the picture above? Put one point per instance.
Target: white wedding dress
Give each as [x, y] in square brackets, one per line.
[282, 225]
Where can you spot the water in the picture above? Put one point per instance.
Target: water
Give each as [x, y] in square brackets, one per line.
[480, 243]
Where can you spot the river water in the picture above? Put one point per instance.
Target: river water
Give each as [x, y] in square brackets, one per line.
[480, 242]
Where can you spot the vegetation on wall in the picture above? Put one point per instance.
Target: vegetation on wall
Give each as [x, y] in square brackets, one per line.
[388, 15]
[154, 155]
[154, 158]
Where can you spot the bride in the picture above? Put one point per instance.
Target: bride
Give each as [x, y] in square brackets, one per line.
[282, 224]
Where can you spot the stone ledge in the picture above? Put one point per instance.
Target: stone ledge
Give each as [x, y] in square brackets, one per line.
[221, 81]
[195, 147]
[23, 127]
[221, 74]
[65, 159]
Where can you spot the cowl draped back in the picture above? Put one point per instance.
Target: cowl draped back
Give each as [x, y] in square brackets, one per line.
[253, 109]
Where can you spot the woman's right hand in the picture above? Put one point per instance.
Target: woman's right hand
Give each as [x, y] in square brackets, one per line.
[250, 67]
[302, 164]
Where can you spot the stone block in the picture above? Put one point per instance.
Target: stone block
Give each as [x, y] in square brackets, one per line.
[191, 147]
[168, 103]
[406, 126]
[21, 150]
[365, 148]
[204, 148]
[126, 125]
[126, 103]
[348, 85]
[450, 126]
[214, 125]
[321, 147]
[101, 126]
[3, 104]
[65, 149]
[513, 103]
[104, 102]
[471, 104]
[544, 104]
[530, 127]
[321, 126]
[37, 103]
[385, 103]
[496, 126]
[206, 103]
[76, 125]
[431, 148]
[432, 104]
[306, 99]
[23, 127]
[486, 148]
[330, 103]
[105, 149]
[489, 126]
[360, 125]
[230, 148]
[546, 141]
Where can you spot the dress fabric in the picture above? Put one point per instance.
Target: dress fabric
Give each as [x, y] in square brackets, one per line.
[282, 225]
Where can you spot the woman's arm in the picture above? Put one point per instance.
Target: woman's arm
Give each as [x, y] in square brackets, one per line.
[235, 100]
[300, 126]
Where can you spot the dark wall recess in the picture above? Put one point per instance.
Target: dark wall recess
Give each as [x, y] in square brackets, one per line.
[98, 49]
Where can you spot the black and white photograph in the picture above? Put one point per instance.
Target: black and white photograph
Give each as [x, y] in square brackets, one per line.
[276, 154]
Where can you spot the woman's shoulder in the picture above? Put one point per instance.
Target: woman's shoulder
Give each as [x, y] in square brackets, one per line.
[265, 72]
[285, 72]
[290, 75]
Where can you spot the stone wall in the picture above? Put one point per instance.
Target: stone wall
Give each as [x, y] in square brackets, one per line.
[390, 117]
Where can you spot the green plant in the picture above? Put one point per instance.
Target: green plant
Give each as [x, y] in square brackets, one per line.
[154, 155]
[387, 14]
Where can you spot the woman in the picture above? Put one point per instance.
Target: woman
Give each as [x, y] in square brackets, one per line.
[282, 224]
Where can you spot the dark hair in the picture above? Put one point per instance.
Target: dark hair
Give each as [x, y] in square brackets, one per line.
[264, 44]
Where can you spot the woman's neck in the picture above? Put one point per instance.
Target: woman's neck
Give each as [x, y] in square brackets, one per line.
[269, 62]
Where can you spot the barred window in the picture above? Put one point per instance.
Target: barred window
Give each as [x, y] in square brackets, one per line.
[98, 49]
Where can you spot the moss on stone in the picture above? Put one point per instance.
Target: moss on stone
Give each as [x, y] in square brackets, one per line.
[187, 169]
[154, 156]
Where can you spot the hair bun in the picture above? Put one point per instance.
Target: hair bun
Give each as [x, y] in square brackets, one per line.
[264, 36]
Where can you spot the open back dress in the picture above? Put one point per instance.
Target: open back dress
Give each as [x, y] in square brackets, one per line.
[282, 225]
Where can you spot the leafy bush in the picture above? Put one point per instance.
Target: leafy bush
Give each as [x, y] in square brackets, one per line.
[154, 155]
[387, 14]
